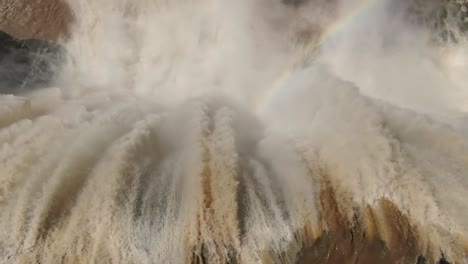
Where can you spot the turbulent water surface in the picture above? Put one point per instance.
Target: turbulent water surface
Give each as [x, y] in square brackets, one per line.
[249, 131]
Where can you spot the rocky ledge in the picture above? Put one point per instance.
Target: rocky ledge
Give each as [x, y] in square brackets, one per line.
[27, 64]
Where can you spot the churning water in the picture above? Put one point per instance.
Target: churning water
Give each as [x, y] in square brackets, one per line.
[249, 131]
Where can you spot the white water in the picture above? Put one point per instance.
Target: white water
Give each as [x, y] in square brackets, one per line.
[152, 148]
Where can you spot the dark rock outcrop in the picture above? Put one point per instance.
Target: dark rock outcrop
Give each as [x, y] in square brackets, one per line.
[27, 64]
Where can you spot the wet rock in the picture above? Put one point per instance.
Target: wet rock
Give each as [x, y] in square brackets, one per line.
[27, 64]
[421, 260]
[446, 19]
[443, 260]
[38, 19]
[294, 3]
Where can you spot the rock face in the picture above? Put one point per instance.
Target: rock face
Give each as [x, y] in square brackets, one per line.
[447, 19]
[39, 19]
[26, 64]
[28, 58]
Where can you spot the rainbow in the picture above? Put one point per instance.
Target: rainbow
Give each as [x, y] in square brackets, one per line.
[308, 51]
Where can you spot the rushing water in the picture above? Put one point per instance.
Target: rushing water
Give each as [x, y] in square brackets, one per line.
[199, 131]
